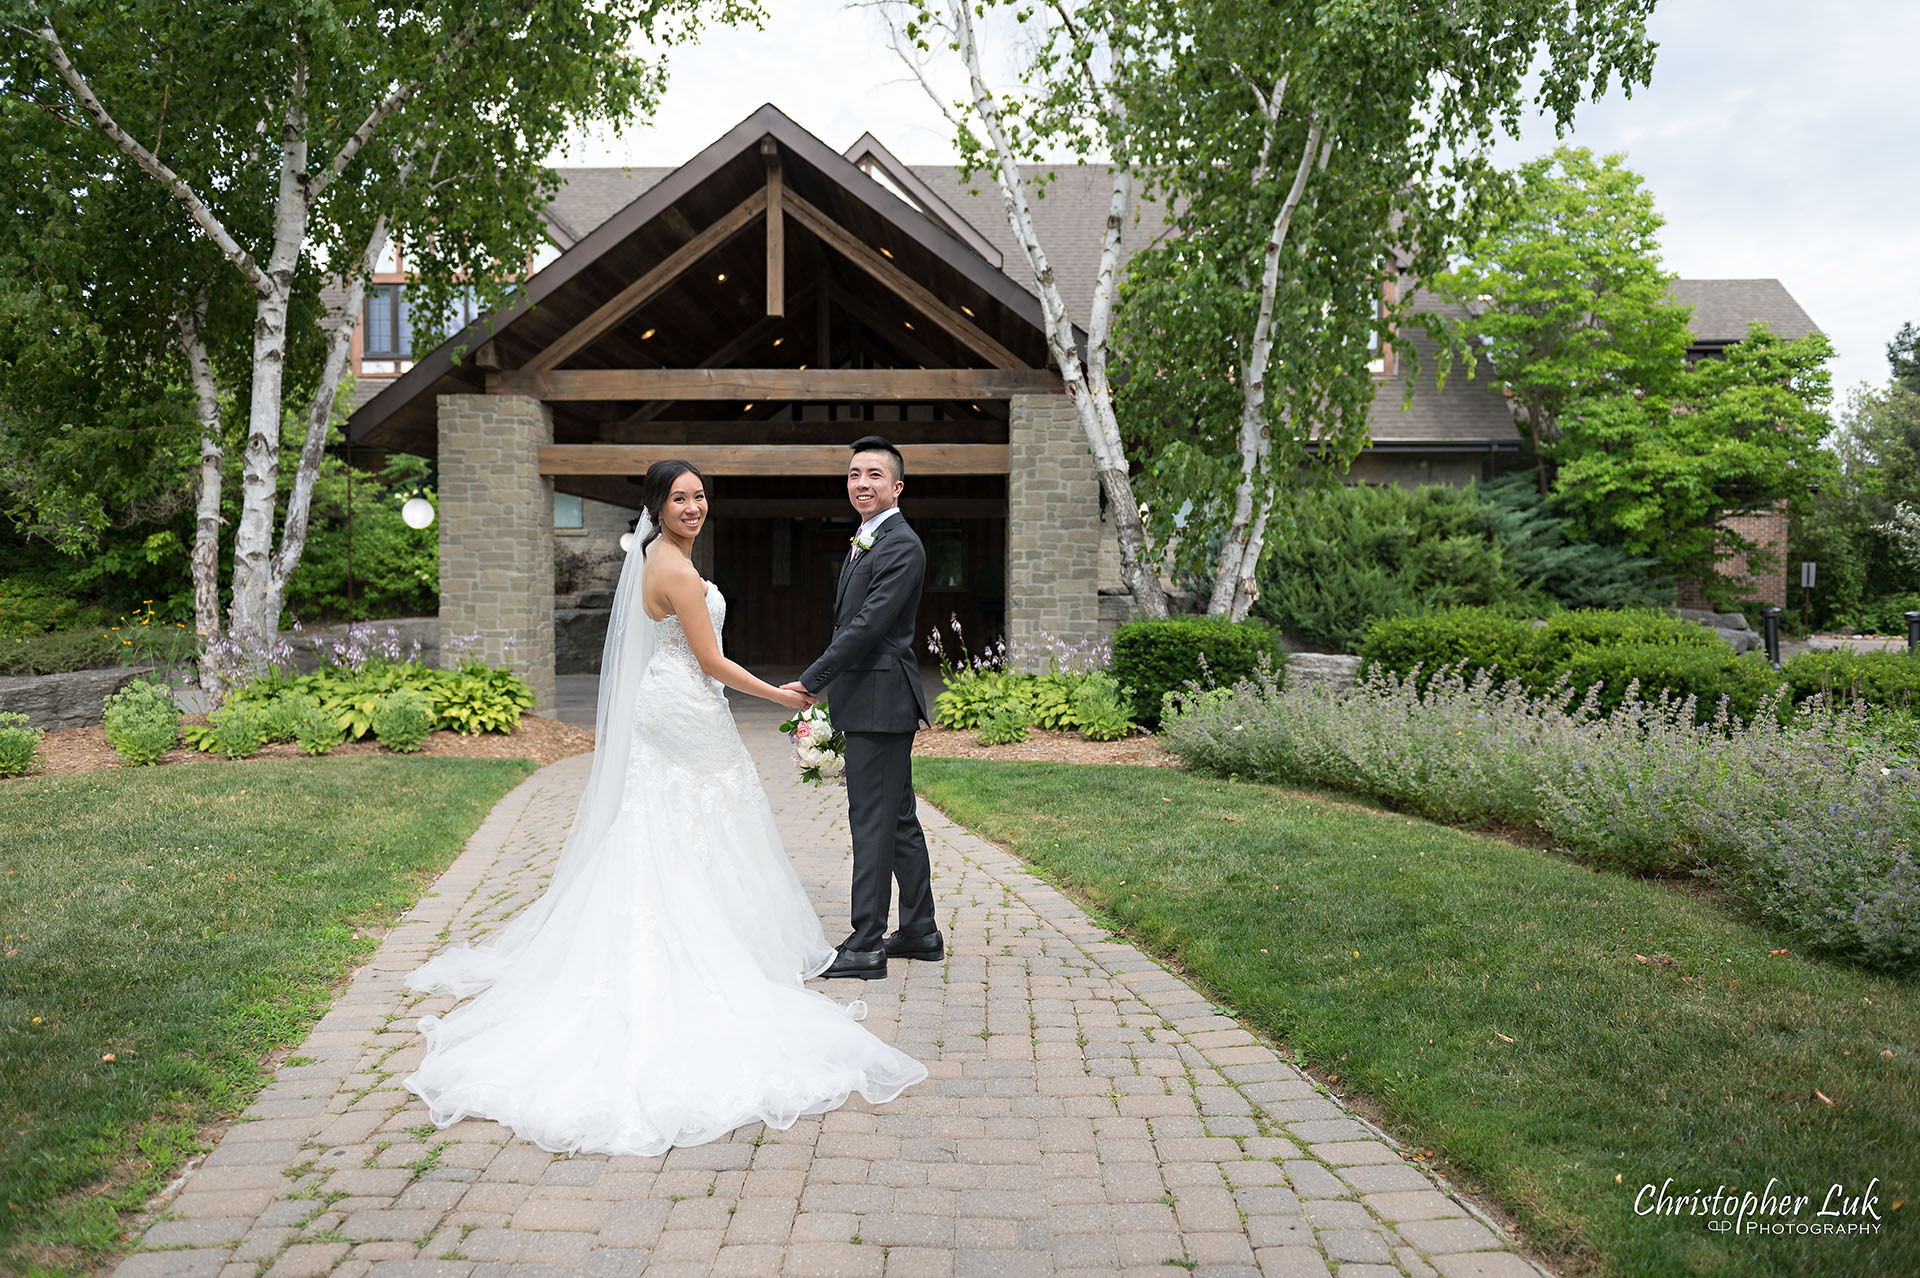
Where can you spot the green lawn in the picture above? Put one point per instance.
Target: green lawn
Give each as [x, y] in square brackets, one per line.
[1397, 953]
[185, 921]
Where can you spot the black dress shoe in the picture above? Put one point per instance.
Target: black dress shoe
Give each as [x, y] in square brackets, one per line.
[866, 965]
[932, 947]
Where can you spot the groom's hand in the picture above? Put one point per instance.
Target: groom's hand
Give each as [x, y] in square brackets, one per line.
[797, 686]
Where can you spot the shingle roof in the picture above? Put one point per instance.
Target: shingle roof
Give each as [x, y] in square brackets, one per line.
[1466, 412]
[1722, 309]
[588, 197]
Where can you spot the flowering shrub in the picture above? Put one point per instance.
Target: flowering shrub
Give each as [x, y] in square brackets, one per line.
[1809, 815]
[19, 745]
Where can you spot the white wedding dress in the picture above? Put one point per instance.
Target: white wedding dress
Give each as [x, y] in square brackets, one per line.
[653, 996]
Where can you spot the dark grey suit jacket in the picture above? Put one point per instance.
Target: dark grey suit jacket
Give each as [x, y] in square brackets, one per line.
[868, 672]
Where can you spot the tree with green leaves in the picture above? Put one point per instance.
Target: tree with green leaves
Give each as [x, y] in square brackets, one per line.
[181, 183]
[1307, 149]
[1310, 153]
[1564, 295]
[1659, 471]
[1865, 582]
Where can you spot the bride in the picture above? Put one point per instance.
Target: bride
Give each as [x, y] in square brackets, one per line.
[653, 996]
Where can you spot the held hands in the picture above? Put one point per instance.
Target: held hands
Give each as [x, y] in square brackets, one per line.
[797, 698]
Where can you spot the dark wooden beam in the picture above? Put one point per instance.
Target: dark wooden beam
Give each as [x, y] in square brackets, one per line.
[764, 459]
[828, 507]
[782, 430]
[776, 229]
[777, 384]
[641, 291]
[869, 260]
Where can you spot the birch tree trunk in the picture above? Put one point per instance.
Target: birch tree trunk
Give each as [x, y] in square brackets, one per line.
[1086, 382]
[205, 557]
[1235, 579]
[256, 604]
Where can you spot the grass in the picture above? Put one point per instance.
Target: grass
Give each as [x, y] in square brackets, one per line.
[165, 929]
[1397, 953]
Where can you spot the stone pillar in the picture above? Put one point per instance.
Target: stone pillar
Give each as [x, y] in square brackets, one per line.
[496, 534]
[1054, 531]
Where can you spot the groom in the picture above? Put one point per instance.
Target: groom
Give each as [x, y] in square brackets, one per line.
[869, 672]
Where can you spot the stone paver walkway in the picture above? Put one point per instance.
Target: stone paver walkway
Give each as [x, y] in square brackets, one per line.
[1086, 1112]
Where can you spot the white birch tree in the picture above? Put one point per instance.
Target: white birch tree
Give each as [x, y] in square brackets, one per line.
[294, 141]
[1068, 94]
[1314, 156]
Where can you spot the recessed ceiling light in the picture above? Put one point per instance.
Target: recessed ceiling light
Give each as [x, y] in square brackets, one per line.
[803, 368]
[974, 407]
[778, 340]
[887, 252]
[747, 408]
[722, 277]
[968, 310]
[908, 323]
[644, 336]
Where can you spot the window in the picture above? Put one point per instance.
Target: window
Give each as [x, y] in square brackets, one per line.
[568, 511]
[390, 320]
[386, 334]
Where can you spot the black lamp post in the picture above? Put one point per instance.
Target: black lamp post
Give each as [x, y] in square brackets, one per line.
[1772, 616]
[1913, 631]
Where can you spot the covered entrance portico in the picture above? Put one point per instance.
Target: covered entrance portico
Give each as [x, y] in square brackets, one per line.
[753, 313]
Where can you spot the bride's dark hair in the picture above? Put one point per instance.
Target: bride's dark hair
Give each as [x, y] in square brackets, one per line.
[658, 486]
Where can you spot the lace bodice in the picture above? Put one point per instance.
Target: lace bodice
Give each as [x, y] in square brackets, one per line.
[670, 637]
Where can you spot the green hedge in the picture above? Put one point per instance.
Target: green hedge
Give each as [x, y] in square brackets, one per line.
[1889, 679]
[1569, 634]
[1475, 638]
[1155, 657]
[1682, 670]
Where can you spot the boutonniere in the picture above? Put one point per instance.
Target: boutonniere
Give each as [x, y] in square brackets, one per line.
[862, 542]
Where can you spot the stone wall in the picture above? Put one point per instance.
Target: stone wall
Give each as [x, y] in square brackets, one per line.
[496, 533]
[1054, 529]
[71, 700]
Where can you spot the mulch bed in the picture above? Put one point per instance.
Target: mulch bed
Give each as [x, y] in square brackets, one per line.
[1045, 747]
[540, 739]
[548, 741]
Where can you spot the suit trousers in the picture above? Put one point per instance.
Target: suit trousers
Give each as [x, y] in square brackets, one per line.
[888, 844]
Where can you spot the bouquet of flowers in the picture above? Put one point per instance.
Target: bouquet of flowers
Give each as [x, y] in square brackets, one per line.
[817, 747]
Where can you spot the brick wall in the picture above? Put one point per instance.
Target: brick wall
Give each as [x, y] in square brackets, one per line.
[1767, 530]
[496, 533]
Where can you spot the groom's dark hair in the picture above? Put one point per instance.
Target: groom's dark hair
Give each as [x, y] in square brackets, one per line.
[876, 444]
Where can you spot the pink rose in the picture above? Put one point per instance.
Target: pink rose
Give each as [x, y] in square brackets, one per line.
[803, 730]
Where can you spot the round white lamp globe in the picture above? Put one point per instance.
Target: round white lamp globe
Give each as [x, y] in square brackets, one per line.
[626, 542]
[418, 512]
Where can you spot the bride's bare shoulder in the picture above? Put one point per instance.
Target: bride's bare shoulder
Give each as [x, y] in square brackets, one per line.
[671, 577]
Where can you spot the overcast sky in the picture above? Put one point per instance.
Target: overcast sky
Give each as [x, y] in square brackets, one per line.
[1778, 137]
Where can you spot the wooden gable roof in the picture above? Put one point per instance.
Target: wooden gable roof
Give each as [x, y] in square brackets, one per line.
[686, 243]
